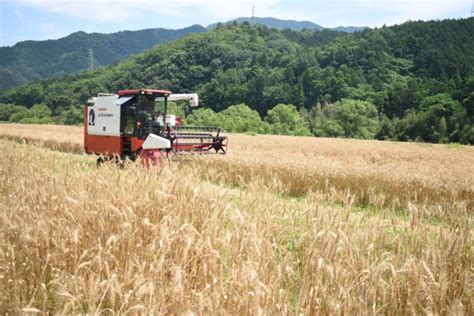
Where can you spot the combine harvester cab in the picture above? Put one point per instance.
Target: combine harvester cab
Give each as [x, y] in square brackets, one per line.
[135, 124]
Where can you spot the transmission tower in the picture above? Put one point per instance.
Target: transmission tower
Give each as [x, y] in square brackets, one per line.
[253, 11]
[472, 9]
[91, 59]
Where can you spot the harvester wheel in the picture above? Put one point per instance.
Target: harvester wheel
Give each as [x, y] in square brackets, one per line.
[100, 161]
[218, 144]
[116, 159]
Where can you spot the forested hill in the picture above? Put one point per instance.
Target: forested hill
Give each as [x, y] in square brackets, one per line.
[413, 81]
[287, 24]
[273, 23]
[32, 60]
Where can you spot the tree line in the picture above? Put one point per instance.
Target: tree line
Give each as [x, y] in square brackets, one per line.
[408, 82]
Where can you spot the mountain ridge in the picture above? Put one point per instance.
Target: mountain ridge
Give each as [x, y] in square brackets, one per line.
[27, 61]
[294, 25]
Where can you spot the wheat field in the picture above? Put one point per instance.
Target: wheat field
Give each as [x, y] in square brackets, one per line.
[279, 225]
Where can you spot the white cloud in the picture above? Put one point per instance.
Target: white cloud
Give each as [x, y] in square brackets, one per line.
[403, 10]
[127, 10]
[20, 15]
[330, 13]
[374, 12]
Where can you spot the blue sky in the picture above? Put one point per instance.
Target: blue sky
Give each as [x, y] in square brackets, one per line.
[50, 19]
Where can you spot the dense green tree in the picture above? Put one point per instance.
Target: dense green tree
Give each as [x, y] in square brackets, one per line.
[348, 118]
[70, 116]
[241, 119]
[285, 119]
[402, 94]
[467, 98]
[37, 114]
[203, 117]
[387, 128]
[178, 108]
[7, 110]
[439, 119]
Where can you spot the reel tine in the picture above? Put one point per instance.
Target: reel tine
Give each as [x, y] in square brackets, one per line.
[197, 139]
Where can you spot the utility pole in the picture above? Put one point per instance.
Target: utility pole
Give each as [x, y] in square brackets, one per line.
[91, 59]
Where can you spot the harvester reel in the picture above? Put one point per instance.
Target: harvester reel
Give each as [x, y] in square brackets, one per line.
[217, 145]
[218, 142]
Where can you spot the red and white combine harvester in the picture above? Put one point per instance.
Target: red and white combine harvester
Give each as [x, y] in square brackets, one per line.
[135, 124]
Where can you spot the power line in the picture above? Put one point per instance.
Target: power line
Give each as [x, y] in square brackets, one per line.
[91, 59]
